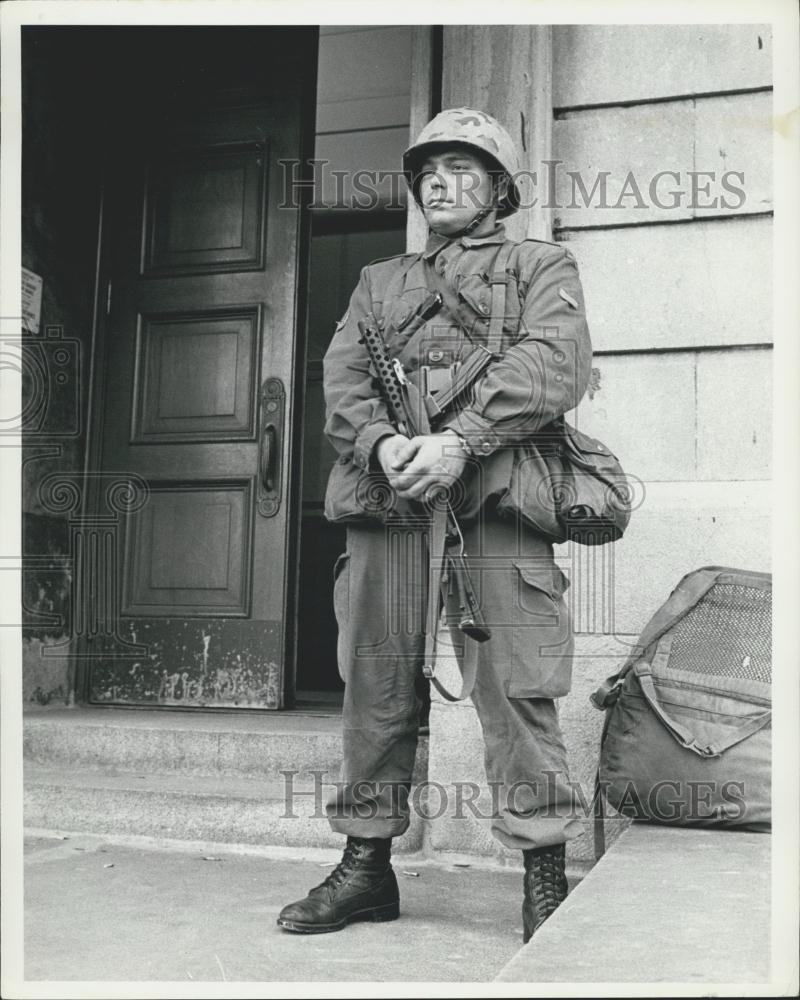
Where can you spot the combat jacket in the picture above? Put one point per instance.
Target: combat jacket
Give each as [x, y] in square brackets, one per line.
[543, 371]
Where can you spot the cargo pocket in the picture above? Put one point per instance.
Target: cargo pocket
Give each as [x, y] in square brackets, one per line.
[477, 293]
[341, 608]
[542, 644]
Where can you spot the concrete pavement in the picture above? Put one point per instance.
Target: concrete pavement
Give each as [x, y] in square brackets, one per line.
[128, 910]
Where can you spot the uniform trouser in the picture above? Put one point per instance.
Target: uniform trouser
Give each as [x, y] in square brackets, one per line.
[380, 594]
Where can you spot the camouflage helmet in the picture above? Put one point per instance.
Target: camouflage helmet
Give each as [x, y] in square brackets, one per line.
[467, 127]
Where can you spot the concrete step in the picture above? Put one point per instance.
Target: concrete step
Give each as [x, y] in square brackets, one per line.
[189, 775]
[670, 905]
[248, 744]
[221, 809]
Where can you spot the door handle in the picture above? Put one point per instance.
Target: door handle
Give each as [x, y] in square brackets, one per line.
[273, 407]
[269, 440]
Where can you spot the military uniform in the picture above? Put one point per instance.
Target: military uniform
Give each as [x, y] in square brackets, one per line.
[381, 586]
[381, 580]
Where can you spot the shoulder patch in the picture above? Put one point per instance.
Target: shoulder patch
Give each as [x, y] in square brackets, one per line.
[568, 298]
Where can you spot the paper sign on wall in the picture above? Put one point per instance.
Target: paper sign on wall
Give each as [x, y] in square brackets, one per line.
[31, 300]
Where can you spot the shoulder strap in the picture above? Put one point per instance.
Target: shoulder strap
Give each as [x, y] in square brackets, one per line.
[477, 362]
[499, 283]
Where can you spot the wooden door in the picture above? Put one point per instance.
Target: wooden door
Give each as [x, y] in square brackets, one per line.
[203, 252]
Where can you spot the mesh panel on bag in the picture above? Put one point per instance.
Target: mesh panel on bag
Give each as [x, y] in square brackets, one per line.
[728, 632]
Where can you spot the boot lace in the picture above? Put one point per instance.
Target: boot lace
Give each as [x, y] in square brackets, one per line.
[343, 869]
[545, 883]
[546, 879]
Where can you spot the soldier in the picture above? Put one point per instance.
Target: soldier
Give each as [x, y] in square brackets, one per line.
[461, 173]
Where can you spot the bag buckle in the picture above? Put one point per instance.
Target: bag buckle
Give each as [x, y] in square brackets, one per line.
[607, 694]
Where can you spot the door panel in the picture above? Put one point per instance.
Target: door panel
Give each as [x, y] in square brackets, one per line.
[197, 375]
[189, 551]
[207, 210]
[203, 258]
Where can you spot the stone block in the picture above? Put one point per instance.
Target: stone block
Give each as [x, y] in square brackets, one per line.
[680, 527]
[735, 134]
[663, 162]
[643, 408]
[734, 414]
[615, 63]
[702, 283]
[611, 159]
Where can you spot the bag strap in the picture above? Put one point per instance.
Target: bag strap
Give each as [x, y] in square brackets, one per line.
[689, 591]
[598, 810]
[598, 803]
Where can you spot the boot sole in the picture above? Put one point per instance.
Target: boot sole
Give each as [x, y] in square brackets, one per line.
[377, 914]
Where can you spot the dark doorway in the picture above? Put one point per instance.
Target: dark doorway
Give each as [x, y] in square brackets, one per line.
[341, 244]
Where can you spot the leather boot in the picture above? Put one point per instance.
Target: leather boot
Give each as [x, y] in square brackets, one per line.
[361, 887]
[545, 885]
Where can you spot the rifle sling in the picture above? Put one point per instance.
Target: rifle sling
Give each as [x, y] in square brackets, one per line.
[436, 563]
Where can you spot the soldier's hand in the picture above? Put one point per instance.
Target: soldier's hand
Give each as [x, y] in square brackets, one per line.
[388, 450]
[428, 460]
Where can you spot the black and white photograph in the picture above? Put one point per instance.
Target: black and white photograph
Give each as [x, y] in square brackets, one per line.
[400, 436]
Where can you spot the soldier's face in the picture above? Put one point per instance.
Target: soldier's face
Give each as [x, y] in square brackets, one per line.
[455, 186]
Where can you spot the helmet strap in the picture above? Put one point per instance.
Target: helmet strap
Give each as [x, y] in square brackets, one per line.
[482, 214]
[500, 189]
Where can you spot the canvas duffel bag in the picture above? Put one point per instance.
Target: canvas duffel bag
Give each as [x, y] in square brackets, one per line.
[687, 732]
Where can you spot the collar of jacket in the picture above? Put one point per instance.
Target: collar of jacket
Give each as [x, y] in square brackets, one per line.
[436, 242]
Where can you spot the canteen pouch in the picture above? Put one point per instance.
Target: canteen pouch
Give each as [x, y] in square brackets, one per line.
[569, 487]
